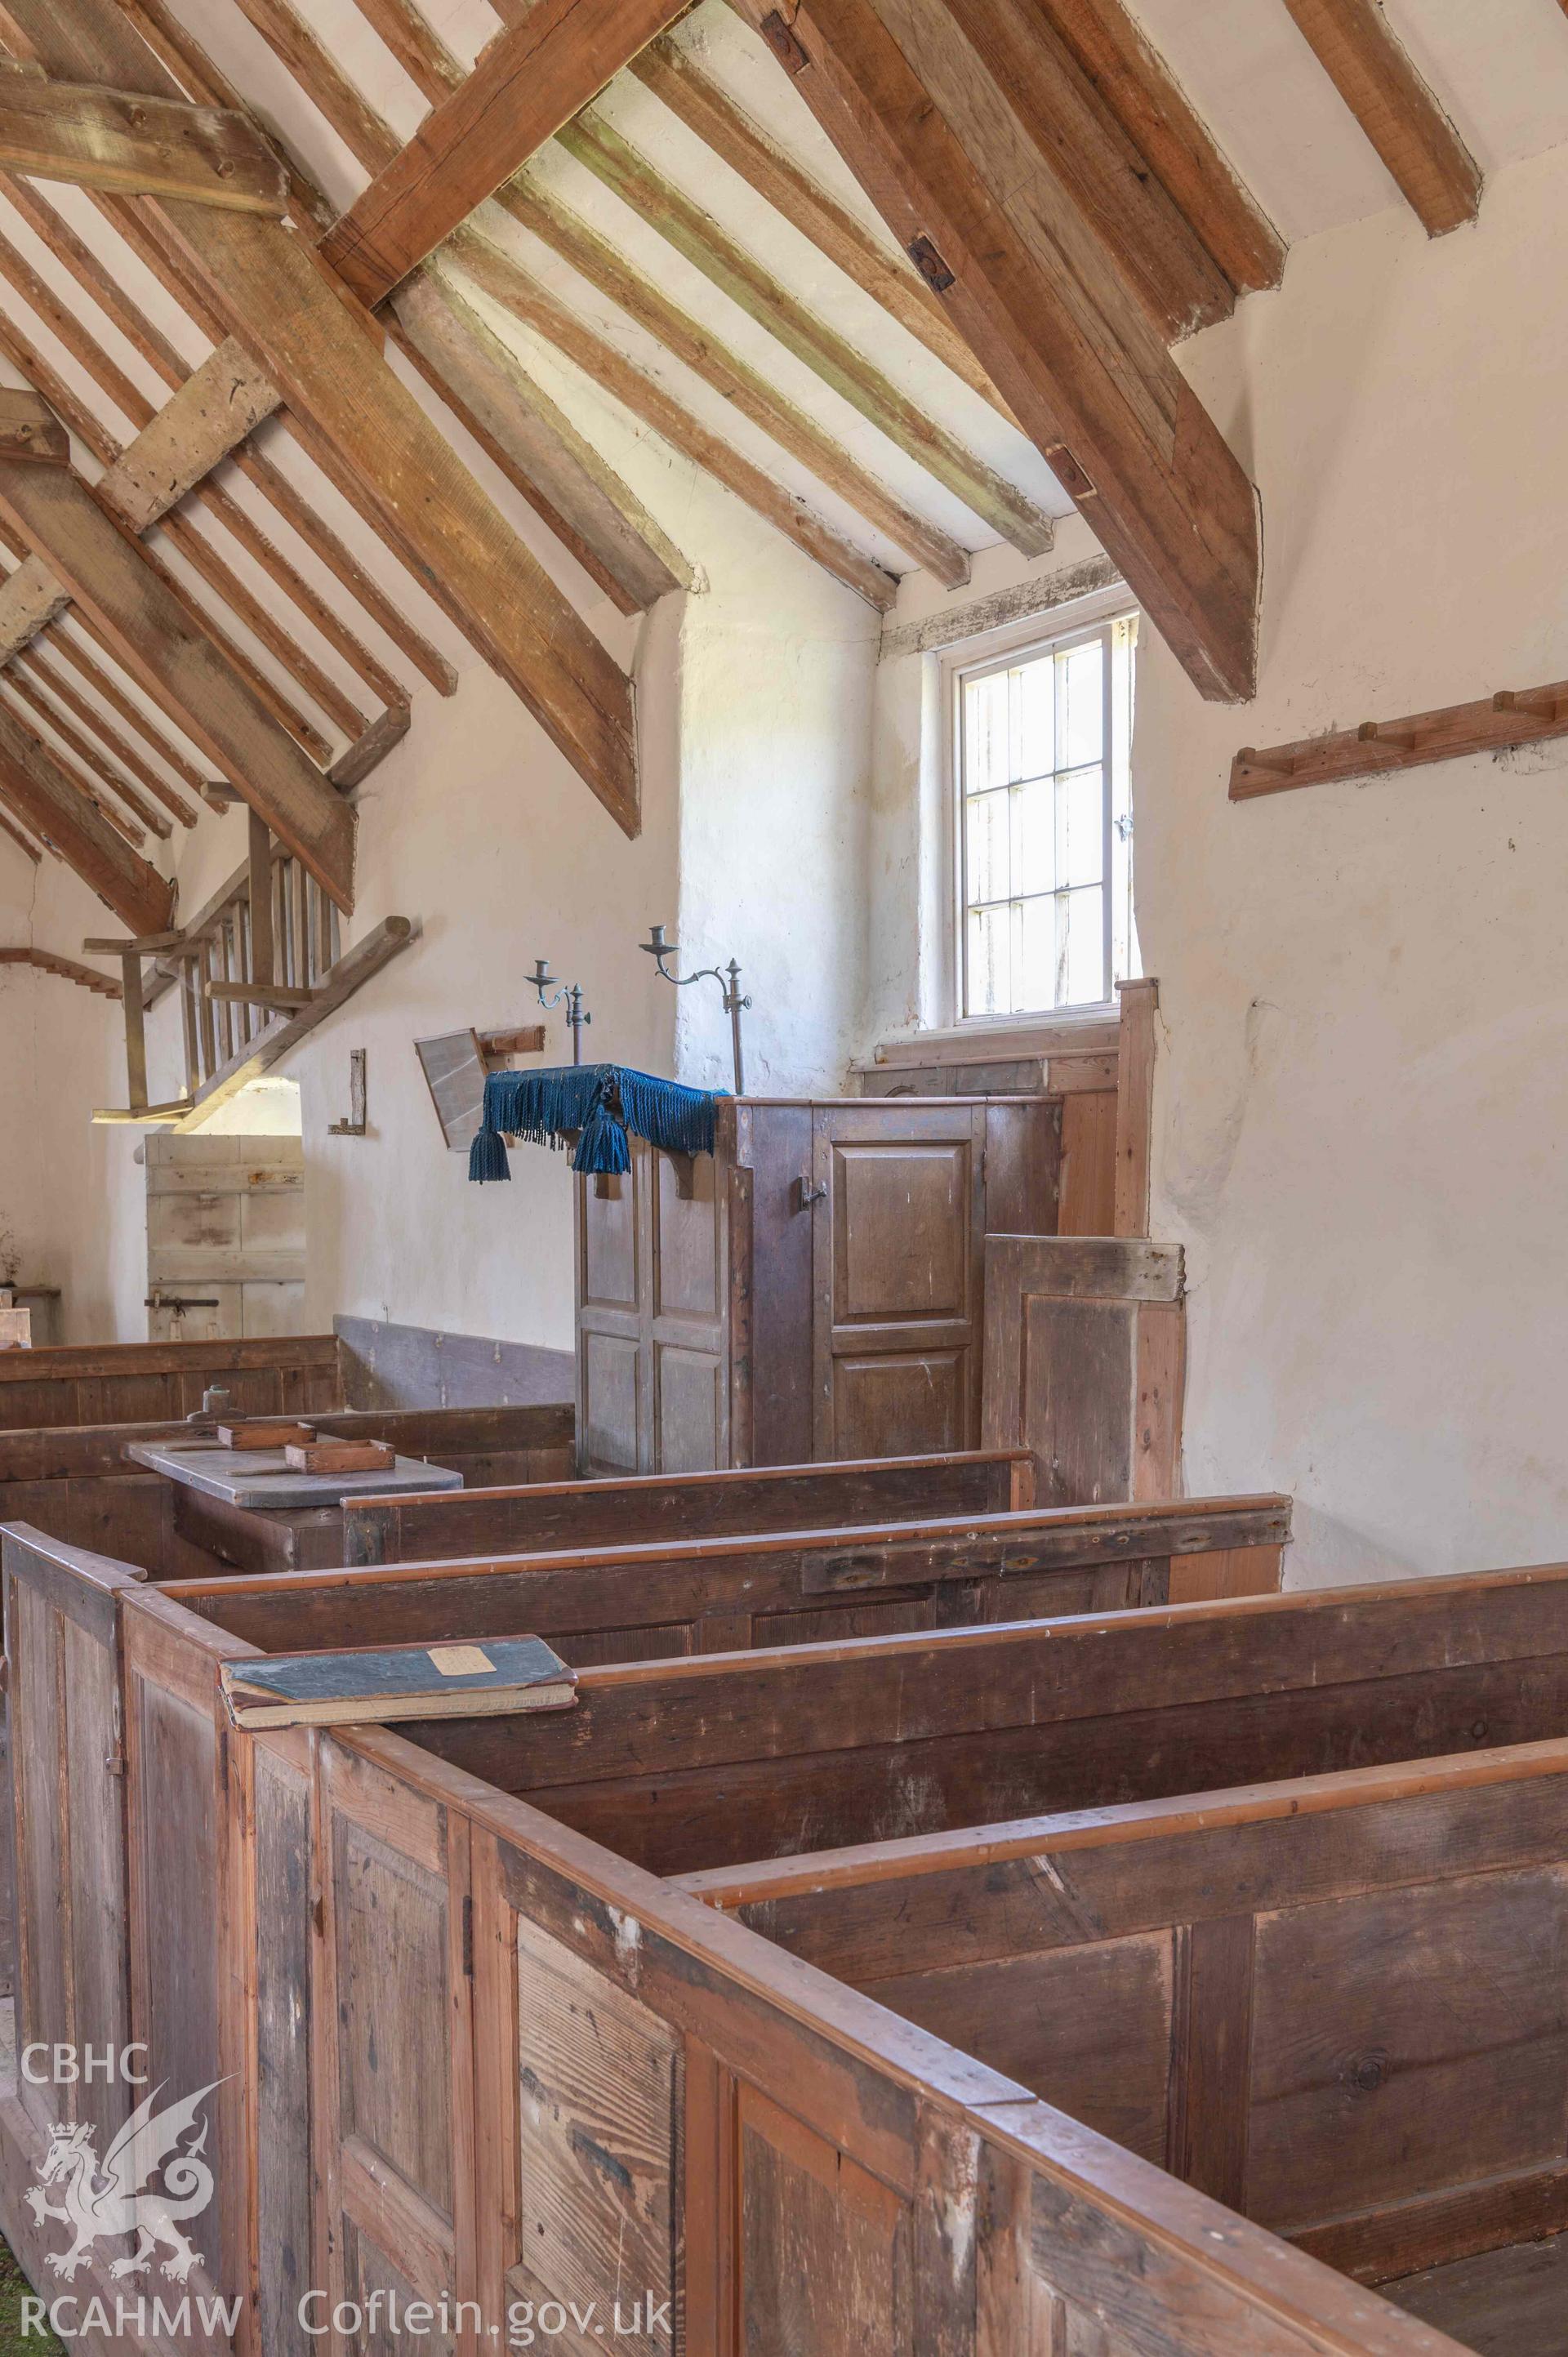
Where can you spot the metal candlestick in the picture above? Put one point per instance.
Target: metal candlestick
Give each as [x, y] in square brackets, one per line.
[728, 980]
[571, 992]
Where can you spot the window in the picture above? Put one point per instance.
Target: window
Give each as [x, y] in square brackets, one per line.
[1042, 740]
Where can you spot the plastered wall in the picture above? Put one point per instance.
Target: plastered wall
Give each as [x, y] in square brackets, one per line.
[1363, 1132]
[754, 717]
[70, 1200]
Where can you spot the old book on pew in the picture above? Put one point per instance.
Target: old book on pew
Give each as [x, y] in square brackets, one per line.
[457, 1680]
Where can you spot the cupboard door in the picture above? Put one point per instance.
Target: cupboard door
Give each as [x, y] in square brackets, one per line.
[898, 1268]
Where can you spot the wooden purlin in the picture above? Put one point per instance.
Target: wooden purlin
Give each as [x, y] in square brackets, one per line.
[1031, 284]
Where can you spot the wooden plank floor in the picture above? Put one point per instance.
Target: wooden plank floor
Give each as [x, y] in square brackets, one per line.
[1507, 2303]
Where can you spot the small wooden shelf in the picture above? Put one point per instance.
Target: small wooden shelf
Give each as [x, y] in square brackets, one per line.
[1513, 717]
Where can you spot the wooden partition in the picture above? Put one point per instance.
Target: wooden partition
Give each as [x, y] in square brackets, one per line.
[789, 1587]
[1336, 2004]
[127, 1382]
[77, 1483]
[631, 2099]
[465, 2047]
[1084, 1364]
[684, 1764]
[691, 1505]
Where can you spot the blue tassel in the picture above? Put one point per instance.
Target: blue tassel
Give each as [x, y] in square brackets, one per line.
[602, 1147]
[598, 1104]
[487, 1156]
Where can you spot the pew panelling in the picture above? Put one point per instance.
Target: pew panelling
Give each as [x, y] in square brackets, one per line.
[1085, 1343]
[1337, 2004]
[76, 1484]
[687, 1762]
[685, 1506]
[722, 1595]
[127, 1382]
[783, 2156]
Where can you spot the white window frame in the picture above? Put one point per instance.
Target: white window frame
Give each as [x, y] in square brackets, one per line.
[1000, 649]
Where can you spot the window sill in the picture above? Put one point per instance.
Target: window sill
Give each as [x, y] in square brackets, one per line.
[1082, 1030]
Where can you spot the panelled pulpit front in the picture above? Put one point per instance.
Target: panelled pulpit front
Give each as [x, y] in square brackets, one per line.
[814, 1289]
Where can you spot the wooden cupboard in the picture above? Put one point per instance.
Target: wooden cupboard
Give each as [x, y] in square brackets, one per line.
[814, 1289]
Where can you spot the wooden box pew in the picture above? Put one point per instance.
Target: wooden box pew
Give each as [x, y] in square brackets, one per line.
[478, 2056]
[1337, 2004]
[720, 1595]
[689, 1763]
[127, 1382]
[515, 1521]
[76, 1482]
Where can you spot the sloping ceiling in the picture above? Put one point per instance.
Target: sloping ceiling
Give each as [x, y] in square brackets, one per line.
[696, 249]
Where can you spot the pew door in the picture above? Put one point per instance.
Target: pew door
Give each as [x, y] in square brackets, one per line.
[69, 1825]
[394, 2127]
[897, 1245]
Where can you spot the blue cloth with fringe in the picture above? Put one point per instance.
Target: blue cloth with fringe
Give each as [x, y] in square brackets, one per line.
[599, 1103]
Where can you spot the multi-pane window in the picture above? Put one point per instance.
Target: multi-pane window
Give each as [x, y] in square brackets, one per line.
[1045, 824]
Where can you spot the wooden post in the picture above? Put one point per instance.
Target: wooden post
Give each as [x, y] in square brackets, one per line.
[261, 900]
[1134, 1105]
[135, 1031]
[188, 1020]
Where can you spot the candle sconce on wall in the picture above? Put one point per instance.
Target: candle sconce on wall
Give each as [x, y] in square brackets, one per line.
[728, 980]
[567, 993]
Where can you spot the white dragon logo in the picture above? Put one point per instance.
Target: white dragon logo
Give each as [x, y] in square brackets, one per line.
[101, 2199]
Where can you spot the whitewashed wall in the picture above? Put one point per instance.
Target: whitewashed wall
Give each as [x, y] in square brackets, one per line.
[1363, 1130]
[69, 1191]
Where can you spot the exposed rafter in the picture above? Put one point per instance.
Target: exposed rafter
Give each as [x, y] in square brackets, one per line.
[155, 636]
[681, 84]
[1372, 71]
[531, 79]
[42, 793]
[601, 361]
[587, 505]
[30, 849]
[694, 235]
[436, 71]
[104, 139]
[1177, 146]
[941, 152]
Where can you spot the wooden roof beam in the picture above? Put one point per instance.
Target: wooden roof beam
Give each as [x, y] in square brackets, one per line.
[942, 153]
[326, 358]
[753, 396]
[42, 794]
[101, 138]
[220, 382]
[609, 368]
[532, 79]
[1370, 68]
[680, 84]
[436, 71]
[1141, 92]
[157, 641]
[23, 843]
[1008, 512]
[585, 501]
